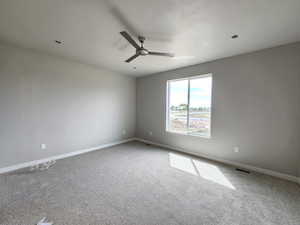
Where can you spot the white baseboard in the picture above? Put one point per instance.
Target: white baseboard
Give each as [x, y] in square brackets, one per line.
[228, 162]
[70, 154]
[62, 156]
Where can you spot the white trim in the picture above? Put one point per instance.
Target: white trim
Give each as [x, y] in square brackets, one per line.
[167, 128]
[70, 154]
[62, 156]
[167, 106]
[188, 134]
[191, 77]
[228, 162]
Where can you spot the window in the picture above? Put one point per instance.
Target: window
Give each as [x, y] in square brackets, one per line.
[189, 105]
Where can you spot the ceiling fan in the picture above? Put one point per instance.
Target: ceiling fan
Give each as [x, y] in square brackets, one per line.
[140, 50]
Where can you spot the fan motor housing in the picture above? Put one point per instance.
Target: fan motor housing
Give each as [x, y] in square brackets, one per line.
[143, 51]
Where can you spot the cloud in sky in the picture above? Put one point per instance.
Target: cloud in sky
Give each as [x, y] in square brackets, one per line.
[200, 92]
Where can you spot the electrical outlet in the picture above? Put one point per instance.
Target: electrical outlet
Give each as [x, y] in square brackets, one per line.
[150, 133]
[43, 146]
[236, 149]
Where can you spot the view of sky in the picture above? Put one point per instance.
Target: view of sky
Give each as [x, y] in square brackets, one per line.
[200, 92]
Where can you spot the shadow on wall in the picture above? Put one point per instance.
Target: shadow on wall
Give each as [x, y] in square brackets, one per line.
[198, 168]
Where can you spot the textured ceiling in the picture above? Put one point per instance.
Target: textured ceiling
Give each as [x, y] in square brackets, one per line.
[195, 30]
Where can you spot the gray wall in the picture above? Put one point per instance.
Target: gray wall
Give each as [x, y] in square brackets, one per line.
[255, 106]
[66, 105]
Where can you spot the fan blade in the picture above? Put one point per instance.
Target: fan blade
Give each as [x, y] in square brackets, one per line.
[129, 38]
[132, 58]
[162, 54]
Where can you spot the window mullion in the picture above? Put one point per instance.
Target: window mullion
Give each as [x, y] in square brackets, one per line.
[188, 107]
[168, 106]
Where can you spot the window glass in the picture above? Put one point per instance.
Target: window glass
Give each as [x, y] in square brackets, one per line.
[178, 105]
[189, 105]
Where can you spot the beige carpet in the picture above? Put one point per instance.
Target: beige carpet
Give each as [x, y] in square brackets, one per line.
[144, 185]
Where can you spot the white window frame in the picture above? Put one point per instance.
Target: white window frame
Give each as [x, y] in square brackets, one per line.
[188, 108]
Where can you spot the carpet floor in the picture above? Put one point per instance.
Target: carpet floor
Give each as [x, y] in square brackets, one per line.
[137, 184]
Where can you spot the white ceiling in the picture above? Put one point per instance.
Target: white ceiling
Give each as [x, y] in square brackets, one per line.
[195, 30]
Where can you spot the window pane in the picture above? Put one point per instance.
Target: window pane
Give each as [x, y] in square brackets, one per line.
[178, 101]
[200, 106]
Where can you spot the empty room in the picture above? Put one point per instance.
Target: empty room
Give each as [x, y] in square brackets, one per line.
[162, 112]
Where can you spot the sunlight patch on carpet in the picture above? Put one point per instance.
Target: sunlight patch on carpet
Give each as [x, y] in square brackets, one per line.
[198, 168]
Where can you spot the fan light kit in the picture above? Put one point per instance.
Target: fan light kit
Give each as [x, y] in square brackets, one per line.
[140, 50]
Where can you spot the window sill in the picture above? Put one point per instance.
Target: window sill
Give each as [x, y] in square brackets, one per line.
[187, 134]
